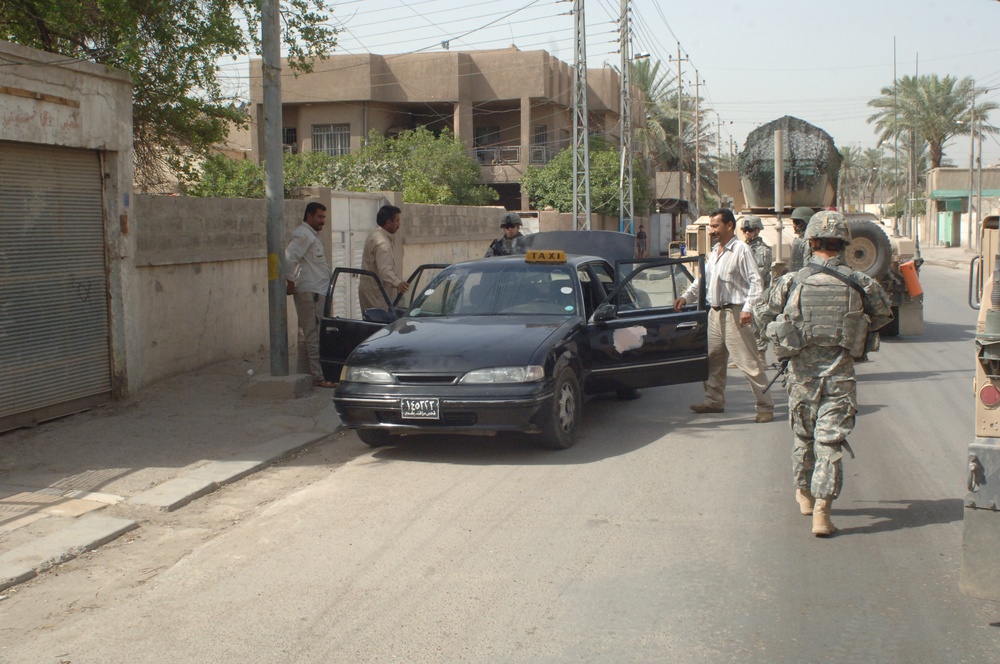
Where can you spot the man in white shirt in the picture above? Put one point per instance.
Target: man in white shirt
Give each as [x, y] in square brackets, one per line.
[307, 274]
[733, 286]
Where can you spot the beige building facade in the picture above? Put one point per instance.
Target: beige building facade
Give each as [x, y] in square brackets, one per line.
[512, 108]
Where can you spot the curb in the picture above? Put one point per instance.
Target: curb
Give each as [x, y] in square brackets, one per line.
[85, 534]
[180, 491]
[92, 531]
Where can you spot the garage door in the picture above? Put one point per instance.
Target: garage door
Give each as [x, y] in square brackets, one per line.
[54, 336]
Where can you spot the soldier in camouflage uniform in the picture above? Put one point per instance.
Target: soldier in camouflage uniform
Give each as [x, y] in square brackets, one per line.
[819, 319]
[504, 246]
[751, 226]
[800, 248]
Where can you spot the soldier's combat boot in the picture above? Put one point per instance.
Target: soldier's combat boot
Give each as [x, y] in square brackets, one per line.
[822, 526]
[805, 500]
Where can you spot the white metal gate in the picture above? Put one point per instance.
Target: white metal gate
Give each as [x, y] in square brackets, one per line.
[54, 333]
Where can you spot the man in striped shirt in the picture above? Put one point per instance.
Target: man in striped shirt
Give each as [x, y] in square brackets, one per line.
[732, 286]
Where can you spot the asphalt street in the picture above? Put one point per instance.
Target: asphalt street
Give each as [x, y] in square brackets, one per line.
[662, 536]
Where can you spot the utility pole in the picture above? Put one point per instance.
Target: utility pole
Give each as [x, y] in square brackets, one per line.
[274, 188]
[979, 180]
[895, 143]
[972, 154]
[626, 202]
[680, 124]
[697, 143]
[581, 125]
[718, 139]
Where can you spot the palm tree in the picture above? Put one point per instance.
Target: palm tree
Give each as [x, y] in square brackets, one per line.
[658, 141]
[933, 109]
[850, 163]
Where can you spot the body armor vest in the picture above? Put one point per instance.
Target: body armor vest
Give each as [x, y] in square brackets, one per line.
[827, 311]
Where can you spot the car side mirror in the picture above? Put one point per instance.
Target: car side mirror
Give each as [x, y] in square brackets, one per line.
[605, 312]
[376, 315]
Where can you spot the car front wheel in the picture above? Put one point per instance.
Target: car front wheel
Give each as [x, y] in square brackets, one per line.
[564, 411]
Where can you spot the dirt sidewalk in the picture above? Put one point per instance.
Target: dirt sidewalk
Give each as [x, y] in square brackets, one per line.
[54, 474]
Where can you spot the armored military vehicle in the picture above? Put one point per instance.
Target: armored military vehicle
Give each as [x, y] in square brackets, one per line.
[811, 171]
[980, 575]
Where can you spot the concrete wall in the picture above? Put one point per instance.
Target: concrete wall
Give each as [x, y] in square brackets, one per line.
[46, 99]
[201, 275]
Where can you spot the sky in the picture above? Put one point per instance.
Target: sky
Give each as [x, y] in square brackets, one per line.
[756, 60]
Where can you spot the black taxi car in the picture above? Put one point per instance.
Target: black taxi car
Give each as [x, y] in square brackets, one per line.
[510, 344]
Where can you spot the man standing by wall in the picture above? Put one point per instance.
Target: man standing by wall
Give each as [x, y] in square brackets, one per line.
[640, 243]
[733, 287]
[307, 274]
[379, 256]
[819, 318]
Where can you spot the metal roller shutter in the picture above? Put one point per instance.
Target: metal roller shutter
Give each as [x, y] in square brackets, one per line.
[54, 335]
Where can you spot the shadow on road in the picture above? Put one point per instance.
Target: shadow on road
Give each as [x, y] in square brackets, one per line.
[896, 376]
[938, 332]
[906, 514]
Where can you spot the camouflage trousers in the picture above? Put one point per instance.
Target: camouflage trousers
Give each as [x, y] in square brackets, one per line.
[822, 413]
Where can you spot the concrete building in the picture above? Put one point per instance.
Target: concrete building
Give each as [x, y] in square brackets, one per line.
[65, 239]
[512, 108]
[950, 191]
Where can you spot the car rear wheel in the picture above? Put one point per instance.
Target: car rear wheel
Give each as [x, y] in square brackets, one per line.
[559, 432]
[628, 394]
[374, 437]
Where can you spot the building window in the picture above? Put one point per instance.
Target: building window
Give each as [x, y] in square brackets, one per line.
[289, 136]
[334, 140]
[482, 140]
[540, 152]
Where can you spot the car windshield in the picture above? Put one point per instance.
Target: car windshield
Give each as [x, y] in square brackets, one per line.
[495, 287]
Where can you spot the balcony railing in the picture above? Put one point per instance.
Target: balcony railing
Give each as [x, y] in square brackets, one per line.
[538, 155]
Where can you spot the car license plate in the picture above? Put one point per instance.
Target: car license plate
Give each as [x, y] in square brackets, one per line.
[419, 409]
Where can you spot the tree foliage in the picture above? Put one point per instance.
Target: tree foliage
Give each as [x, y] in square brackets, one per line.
[171, 48]
[552, 184]
[425, 168]
[932, 109]
[657, 140]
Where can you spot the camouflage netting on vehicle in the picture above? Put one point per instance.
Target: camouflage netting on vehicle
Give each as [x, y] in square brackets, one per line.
[810, 153]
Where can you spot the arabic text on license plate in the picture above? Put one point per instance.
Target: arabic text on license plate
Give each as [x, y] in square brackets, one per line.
[419, 409]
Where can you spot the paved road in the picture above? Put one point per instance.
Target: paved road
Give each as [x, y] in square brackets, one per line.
[661, 537]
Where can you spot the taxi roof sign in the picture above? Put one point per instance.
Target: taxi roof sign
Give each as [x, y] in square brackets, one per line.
[545, 256]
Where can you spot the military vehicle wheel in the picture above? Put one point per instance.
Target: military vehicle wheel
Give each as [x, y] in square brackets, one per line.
[870, 250]
[374, 437]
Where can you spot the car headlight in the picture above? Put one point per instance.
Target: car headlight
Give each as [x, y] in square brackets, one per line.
[527, 374]
[367, 375]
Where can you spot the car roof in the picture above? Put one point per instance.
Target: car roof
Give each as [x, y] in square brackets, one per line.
[573, 260]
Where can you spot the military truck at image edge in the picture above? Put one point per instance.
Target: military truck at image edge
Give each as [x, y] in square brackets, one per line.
[980, 576]
[811, 172]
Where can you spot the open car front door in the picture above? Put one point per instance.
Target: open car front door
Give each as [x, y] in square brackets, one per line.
[637, 339]
[345, 326]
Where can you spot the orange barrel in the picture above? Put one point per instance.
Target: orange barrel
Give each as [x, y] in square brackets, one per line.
[909, 271]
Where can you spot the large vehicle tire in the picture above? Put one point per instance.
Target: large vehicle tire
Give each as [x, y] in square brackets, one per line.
[374, 437]
[870, 250]
[559, 432]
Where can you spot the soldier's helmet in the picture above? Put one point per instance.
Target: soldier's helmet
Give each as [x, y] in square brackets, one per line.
[802, 214]
[752, 222]
[828, 225]
[510, 220]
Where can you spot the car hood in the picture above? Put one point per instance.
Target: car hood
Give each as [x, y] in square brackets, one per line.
[460, 343]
